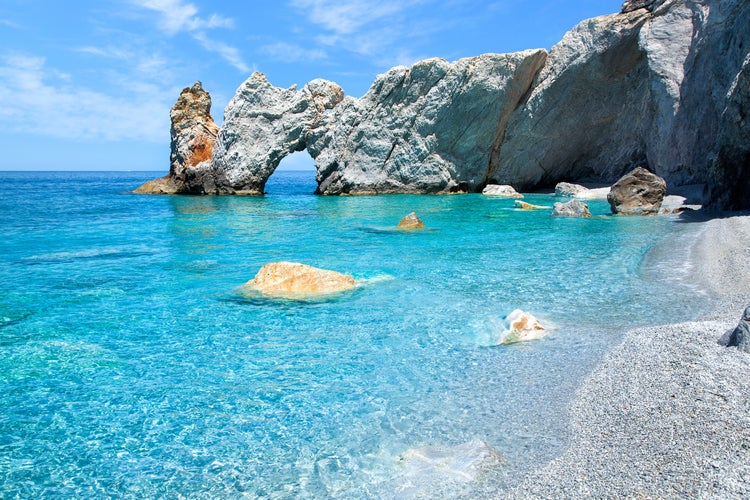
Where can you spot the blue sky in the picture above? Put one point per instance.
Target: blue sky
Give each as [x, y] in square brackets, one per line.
[87, 84]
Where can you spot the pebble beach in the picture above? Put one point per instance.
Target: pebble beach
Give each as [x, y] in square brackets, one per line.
[667, 413]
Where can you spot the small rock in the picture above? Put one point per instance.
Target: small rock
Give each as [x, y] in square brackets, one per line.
[528, 206]
[639, 192]
[521, 326]
[568, 189]
[501, 190]
[740, 337]
[573, 208]
[411, 221]
[291, 279]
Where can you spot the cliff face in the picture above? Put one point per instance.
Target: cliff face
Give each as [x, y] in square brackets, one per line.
[663, 84]
[426, 129]
[650, 87]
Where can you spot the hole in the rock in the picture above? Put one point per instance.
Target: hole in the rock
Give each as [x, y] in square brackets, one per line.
[294, 175]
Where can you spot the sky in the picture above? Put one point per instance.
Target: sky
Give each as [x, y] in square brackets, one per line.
[88, 84]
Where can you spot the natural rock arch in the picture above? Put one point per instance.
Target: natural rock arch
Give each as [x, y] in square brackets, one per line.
[262, 125]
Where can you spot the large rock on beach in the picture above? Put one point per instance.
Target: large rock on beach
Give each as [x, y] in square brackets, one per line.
[572, 208]
[262, 125]
[292, 279]
[570, 190]
[740, 337]
[520, 326]
[639, 192]
[193, 135]
[430, 128]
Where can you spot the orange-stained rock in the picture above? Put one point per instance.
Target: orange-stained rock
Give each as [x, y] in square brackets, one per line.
[291, 279]
[528, 206]
[411, 221]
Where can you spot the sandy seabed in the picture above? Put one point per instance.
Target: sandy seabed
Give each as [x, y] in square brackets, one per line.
[667, 413]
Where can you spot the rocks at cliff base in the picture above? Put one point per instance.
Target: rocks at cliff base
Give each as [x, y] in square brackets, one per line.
[639, 192]
[569, 190]
[295, 280]
[430, 128]
[262, 125]
[504, 190]
[411, 221]
[522, 205]
[740, 337]
[572, 208]
[193, 135]
[520, 326]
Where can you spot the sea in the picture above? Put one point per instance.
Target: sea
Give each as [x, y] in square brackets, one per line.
[133, 364]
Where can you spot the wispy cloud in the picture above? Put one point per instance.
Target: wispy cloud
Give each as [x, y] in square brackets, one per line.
[177, 16]
[35, 99]
[9, 24]
[349, 16]
[292, 53]
[380, 31]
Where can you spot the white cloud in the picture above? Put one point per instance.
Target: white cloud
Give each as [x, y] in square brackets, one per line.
[291, 53]
[34, 99]
[178, 16]
[227, 52]
[349, 16]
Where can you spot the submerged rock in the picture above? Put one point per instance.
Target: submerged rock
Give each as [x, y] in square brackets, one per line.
[528, 206]
[572, 208]
[193, 135]
[291, 279]
[411, 221]
[639, 192]
[740, 337]
[430, 466]
[504, 190]
[521, 326]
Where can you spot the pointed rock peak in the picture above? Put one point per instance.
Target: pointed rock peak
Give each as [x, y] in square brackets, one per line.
[631, 5]
[325, 94]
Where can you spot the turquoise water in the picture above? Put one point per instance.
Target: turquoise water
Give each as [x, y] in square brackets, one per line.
[131, 364]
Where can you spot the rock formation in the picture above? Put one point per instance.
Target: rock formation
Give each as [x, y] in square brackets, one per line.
[573, 208]
[639, 192]
[430, 128]
[503, 190]
[569, 190]
[294, 280]
[411, 221]
[193, 134]
[644, 87]
[521, 326]
[740, 337]
[262, 125]
[663, 84]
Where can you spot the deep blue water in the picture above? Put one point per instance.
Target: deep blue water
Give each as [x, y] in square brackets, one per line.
[131, 364]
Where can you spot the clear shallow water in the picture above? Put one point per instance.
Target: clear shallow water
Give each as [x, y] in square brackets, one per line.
[131, 364]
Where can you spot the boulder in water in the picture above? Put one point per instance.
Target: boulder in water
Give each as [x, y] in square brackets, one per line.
[521, 326]
[292, 279]
[528, 206]
[411, 221]
[573, 208]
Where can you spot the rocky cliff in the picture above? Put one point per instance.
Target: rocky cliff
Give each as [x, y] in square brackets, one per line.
[663, 84]
[652, 86]
[426, 129]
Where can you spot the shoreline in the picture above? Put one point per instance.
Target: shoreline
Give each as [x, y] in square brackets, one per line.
[667, 412]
